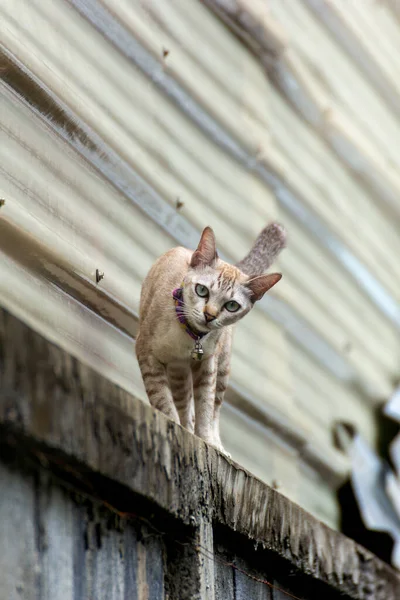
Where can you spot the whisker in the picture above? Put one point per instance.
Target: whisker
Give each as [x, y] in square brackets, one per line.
[180, 311]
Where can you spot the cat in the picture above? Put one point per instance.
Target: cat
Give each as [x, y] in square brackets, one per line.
[189, 304]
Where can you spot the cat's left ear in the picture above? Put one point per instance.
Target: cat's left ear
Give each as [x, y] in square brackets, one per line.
[259, 285]
[206, 252]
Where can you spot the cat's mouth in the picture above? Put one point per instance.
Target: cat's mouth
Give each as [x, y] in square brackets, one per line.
[211, 326]
[201, 326]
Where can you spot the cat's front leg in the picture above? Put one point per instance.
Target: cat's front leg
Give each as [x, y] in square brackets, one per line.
[155, 380]
[180, 382]
[204, 382]
[223, 356]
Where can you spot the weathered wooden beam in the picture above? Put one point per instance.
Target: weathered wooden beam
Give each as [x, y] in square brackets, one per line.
[51, 401]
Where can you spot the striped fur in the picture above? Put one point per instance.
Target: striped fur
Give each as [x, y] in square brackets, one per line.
[266, 248]
[191, 393]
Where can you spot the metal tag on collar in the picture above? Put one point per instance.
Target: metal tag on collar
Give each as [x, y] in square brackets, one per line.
[197, 352]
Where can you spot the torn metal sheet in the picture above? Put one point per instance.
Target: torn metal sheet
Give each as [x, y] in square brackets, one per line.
[369, 478]
[395, 453]
[392, 408]
[392, 488]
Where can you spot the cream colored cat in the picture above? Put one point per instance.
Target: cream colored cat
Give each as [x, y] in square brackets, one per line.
[189, 304]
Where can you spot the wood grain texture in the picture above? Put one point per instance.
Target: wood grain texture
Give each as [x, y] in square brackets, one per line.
[50, 401]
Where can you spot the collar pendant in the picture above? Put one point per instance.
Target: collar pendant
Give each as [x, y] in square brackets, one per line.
[197, 352]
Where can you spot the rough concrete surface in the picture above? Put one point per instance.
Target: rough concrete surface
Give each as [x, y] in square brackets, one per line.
[54, 404]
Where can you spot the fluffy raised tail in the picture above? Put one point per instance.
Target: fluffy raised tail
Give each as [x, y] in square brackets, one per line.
[266, 248]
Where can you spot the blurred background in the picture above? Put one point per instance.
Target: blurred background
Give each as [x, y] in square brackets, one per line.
[127, 126]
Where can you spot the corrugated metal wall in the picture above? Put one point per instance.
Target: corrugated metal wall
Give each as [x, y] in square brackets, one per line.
[114, 113]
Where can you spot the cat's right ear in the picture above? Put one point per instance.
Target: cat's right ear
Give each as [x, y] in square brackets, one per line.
[206, 253]
[258, 286]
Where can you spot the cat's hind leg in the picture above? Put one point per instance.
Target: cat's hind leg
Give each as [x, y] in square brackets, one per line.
[155, 380]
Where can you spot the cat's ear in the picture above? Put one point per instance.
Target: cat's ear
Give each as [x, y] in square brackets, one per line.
[259, 285]
[206, 252]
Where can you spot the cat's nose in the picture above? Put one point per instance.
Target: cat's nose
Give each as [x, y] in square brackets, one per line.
[209, 317]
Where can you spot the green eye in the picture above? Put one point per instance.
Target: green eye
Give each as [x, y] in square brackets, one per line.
[232, 306]
[201, 290]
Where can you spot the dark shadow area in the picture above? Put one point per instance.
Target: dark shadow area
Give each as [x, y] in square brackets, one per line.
[244, 571]
[351, 524]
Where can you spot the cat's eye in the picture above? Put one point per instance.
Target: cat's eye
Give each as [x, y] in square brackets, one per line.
[232, 306]
[201, 290]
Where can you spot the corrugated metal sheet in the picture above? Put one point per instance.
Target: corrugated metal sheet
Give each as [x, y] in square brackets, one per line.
[102, 134]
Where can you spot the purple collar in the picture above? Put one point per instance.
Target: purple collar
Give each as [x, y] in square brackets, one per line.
[179, 304]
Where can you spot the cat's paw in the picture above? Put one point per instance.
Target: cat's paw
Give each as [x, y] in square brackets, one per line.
[221, 449]
[217, 444]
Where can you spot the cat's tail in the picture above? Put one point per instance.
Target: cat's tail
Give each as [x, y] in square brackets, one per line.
[266, 248]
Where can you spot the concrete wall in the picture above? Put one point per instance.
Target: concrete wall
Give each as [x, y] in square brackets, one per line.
[104, 498]
[57, 545]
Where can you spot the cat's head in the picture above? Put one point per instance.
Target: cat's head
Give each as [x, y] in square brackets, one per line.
[217, 294]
